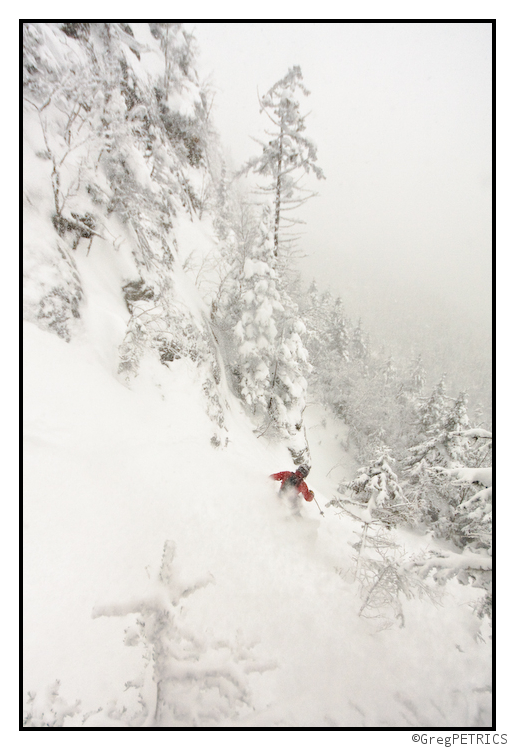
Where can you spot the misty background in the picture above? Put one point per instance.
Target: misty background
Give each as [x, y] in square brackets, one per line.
[401, 114]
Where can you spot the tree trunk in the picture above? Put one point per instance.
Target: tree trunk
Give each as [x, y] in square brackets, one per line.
[362, 547]
[278, 194]
[167, 62]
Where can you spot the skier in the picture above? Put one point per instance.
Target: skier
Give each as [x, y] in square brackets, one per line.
[293, 484]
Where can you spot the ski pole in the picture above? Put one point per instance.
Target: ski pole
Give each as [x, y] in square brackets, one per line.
[318, 506]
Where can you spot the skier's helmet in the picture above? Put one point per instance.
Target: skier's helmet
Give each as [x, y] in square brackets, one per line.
[303, 470]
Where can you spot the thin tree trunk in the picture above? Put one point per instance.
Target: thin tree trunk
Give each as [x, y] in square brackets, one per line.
[278, 194]
[167, 63]
[378, 581]
[273, 385]
[363, 538]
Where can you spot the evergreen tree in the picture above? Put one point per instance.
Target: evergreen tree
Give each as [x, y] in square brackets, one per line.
[256, 330]
[377, 493]
[120, 143]
[338, 341]
[388, 371]
[409, 389]
[236, 245]
[471, 526]
[456, 421]
[328, 343]
[359, 344]
[222, 208]
[272, 361]
[417, 377]
[431, 465]
[468, 524]
[316, 310]
[288, 155]
[444, 446]
[431, 410]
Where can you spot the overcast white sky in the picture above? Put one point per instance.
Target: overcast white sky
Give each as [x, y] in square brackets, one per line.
[401, 114]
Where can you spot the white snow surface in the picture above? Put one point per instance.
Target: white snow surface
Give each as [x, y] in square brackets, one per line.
[166, 584]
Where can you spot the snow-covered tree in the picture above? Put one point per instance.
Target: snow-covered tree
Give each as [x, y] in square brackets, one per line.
[376, 493]
[472, 519]
[409, 382]
[431, 410]
[327, 341]
[468, 524]
[256, 330]
[417, 376]
[272, 360]
[222, 205]
[386, 577]
[315, 310]
[289, 385]
[469, 568]
[440, 473]
[456, 422]
[480, 446]
[338, 340]
[359, 344]
[388, 371]
[444, 444]
[123, 152]
[288, 155]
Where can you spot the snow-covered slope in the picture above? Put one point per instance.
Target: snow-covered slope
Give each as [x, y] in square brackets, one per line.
[165, 582]
[167, 585]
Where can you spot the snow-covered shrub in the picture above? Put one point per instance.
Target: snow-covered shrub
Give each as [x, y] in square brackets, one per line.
[385, 578]
[57, 308]
[52, 299]
[200, 682]
[48, 709]
[134, 291]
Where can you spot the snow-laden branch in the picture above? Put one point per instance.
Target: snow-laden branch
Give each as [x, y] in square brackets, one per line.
[475, 432]
[471, 476]
[449, 564]
[484, 496]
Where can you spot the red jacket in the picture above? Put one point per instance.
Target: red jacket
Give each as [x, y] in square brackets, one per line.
[283, 476]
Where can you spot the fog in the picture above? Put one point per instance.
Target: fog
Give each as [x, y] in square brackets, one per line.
[401, 114]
